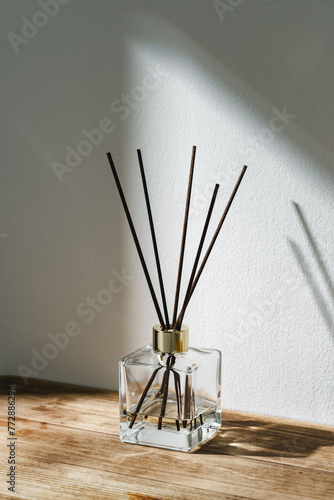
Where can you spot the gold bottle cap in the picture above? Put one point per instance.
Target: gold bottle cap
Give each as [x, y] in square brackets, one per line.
[170, 341]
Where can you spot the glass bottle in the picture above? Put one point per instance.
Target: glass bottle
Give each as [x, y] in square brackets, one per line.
[170, 393]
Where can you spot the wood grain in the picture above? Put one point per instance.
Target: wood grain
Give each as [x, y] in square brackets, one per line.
[68, 447]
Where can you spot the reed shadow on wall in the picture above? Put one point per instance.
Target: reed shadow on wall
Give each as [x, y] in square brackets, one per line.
[266, 438]
[325, 306]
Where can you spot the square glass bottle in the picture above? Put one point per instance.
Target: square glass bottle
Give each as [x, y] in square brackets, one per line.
[170, 393]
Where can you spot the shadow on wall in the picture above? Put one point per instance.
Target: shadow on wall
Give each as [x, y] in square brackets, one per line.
[326, 309]
[65, 235]
[278, 51]
[281, 49]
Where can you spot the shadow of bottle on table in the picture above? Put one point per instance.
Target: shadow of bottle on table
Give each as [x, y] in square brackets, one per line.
[261, 438]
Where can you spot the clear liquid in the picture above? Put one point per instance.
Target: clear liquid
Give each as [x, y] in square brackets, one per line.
[174, 434]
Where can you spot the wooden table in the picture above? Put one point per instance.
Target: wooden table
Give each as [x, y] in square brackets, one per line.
[67, 447]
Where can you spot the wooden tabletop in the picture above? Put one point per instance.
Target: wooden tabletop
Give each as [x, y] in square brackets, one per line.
[67, 446]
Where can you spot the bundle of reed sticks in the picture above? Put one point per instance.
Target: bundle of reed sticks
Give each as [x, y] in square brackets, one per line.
[196, 272]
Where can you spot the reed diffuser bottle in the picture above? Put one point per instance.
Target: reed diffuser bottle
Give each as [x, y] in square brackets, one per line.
[170, 393]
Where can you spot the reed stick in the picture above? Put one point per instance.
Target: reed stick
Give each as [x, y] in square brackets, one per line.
[154, 240]
[164, 398]
[134, 234]
[214, 238]
[184, 235]
[198, 254]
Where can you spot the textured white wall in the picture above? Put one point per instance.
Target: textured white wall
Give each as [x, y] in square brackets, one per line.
[247, 82]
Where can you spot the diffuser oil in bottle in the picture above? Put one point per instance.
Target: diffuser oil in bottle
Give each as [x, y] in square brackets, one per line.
[170, 393]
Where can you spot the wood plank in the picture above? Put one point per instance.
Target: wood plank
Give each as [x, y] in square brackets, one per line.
[39, 481]
[64, 404]
[68, 446]
[214, 473]
[265, 438]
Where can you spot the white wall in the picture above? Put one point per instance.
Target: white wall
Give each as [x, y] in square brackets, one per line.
[222, 78]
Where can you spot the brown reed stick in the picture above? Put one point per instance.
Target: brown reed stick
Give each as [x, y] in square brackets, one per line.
[143, 396]
[206, 256]
[134, 234]
[184, 235]
[198, 254]
[164, 398]
[154, 240]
